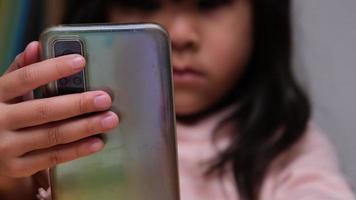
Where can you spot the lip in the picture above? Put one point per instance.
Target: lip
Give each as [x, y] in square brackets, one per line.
[186, 75]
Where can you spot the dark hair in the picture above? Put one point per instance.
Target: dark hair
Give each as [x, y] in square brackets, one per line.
[273, 111]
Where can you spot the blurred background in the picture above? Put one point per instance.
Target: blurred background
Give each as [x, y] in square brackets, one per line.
[21, 21]
[325, 61]
[324, 58]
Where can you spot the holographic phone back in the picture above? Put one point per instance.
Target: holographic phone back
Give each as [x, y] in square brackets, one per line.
[139, 161]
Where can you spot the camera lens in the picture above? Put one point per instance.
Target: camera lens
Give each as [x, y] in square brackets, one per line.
[63, 81]
[65, 47]
[77, 81]
[74, 83]
[67, 52]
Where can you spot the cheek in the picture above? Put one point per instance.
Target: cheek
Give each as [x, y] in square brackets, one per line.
[226, 59]
[223, 60]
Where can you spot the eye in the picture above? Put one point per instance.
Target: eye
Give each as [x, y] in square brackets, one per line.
[209, 5]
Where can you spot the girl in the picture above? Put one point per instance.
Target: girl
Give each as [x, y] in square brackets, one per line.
[242, 120]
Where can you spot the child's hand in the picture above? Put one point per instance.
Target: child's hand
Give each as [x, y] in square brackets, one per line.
[38, 134]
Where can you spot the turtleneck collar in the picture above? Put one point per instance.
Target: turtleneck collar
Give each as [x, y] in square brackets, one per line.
[203, 130]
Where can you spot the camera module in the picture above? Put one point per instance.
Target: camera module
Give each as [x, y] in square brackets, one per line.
[74, 83]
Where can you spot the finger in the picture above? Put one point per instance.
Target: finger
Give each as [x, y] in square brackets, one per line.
[44, 159]
[28, 78]
[32, 53]
[65, 132]
[29, 56]
[41, 111]
[16, 64]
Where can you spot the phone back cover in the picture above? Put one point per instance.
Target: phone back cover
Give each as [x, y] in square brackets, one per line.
[139, 161]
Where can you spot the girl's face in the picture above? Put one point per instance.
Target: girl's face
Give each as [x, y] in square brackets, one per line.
[211, 44]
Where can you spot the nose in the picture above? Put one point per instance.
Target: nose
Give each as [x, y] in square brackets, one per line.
[184, 33]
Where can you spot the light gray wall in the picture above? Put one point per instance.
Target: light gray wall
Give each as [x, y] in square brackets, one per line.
[325, 60]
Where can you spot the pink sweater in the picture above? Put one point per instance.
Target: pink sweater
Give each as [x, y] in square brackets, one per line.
[308, 171]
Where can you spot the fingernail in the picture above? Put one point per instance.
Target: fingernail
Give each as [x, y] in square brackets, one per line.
[96, 145]
[109, 121]
[19, 56]
[78, 62]
[42, 192]
[102, 102]
[29, 45]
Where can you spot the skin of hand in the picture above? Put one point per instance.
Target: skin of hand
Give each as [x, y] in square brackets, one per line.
[36, 134]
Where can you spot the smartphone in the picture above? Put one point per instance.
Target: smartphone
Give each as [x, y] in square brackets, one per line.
[132, 63]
